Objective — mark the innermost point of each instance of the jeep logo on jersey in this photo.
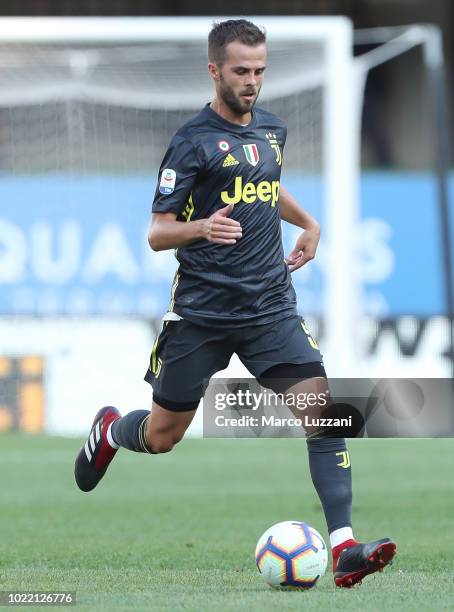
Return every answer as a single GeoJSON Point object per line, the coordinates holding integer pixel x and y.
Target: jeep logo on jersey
{"type": "Point", "coordinates": [252, 154]}
{"type": "Point", "coordinates": [168, 179]}
{"type": "Point", "coordinates": [264, 191]}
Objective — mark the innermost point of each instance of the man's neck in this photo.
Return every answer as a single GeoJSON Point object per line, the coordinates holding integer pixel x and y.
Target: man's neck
{"type": "Point", "coordinates": [226, 113]}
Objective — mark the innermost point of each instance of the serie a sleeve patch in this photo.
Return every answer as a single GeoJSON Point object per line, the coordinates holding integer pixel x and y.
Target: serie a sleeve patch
{"type": "Point", "coordinates": [168, 180]}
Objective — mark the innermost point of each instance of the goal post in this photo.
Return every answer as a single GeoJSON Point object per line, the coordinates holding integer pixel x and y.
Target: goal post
{"type": "Point", "coordinates": [394, 41]}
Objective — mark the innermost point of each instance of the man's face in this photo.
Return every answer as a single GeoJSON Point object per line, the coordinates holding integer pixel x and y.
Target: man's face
{"type": "Point", "coordinates": [239, 80]}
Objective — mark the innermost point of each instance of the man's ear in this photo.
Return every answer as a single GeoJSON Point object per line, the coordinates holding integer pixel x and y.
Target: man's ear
{"type": "Point", "coordinates": [214, 71]}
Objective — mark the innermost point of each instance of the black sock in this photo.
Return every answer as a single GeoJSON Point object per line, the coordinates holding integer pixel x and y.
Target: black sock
{"type": "Point", "coordinates": [129, 431]}
{"type": "Point", "coordinates": [329, 463]}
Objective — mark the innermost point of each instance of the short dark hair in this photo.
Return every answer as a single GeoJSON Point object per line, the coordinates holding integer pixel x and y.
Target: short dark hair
{"type": "Point", "coordinates": [226, 32]}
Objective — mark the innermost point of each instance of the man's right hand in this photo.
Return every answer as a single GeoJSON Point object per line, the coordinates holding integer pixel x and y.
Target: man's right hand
{"type": "Point", "coordinates": [219, 228]}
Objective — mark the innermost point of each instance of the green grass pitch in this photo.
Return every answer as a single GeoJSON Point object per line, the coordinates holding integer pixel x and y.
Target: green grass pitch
{"type": "Point", "coordinates": [178, 531]}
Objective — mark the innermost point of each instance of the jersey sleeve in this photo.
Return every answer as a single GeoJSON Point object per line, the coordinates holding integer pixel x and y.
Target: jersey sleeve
{"type": "Point", "coordinates": [177, 176]}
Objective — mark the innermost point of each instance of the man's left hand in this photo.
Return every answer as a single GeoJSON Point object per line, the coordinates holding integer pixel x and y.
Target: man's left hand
{"type": "Point", "coordinates": [305, 248]}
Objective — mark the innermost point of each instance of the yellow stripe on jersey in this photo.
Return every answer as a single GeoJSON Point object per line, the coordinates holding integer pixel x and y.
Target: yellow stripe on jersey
{"type": "Point", "coordinates": [187, 214]}
{"type": "Point", "coordinates": [172, 292]}
{"type": "Point", "coordinates": [189, 210]}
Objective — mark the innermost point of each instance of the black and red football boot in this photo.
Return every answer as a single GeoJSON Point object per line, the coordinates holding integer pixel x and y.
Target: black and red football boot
{"type": "Point", "coordinates": [96, 454]}
{"type": "Point", "coordinates": [359, 560]}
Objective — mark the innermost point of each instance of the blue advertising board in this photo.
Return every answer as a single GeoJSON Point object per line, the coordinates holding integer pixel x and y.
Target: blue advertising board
{"type": "Point", "coordinates": [77, 245]}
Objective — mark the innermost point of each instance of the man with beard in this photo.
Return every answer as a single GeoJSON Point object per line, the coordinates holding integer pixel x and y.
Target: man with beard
{"type": "Point", "coordinates": [219, 203]}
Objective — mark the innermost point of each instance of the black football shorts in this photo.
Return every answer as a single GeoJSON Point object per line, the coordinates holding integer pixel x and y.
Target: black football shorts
{"type": "Point", "coordinates": [185, 355]}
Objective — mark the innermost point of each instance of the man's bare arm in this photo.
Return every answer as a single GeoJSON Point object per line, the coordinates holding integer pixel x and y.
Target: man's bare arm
{"type": "Point", "coordinates": [167, 233]}
{"type": "Point", "coordinates": [293, 213]}
{"type": "Point", "coordinates": [306, 245]}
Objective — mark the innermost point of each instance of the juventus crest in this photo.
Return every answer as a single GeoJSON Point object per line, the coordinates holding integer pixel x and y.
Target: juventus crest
{"type": "Point", "coordinates": [275, 145]}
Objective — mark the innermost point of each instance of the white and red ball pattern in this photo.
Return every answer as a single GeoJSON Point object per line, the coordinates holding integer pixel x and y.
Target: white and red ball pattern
{"type": "Point", "coordinates": [291, 555]}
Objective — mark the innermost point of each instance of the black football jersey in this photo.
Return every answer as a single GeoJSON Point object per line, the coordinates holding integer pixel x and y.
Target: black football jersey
{"type": "Point", "coordinates": [210, 163]}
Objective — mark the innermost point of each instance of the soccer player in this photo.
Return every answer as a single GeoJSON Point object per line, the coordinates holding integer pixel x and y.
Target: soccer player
{"type": "Point", "coordinates": [220, 203]}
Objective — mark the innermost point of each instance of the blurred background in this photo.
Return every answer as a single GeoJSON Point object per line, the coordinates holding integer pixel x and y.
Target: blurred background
{"type": "Point", "coordinates": [84, 122]}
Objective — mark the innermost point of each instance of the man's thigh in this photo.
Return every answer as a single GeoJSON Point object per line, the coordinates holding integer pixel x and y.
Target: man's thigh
{"type": "Point", "coordinates": [184, 357]}
{"type": "Point", "coordinates": [282, 342]}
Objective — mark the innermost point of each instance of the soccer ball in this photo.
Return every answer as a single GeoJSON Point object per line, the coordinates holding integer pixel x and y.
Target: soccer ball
{"type": "Point", "coordinates": [291, 555]}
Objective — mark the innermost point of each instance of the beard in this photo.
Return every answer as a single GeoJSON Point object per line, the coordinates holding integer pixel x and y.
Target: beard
{"type": "Point", "coordinates": [234, 102]}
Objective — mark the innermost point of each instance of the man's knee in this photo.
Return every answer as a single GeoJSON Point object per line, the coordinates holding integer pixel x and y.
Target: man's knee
{"type": "Point", "coordinates": [166, 428]}
{"type": "Point", "coordinates": [163, 441]}
{"type": "Point", "coordinates": [160, 445]}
